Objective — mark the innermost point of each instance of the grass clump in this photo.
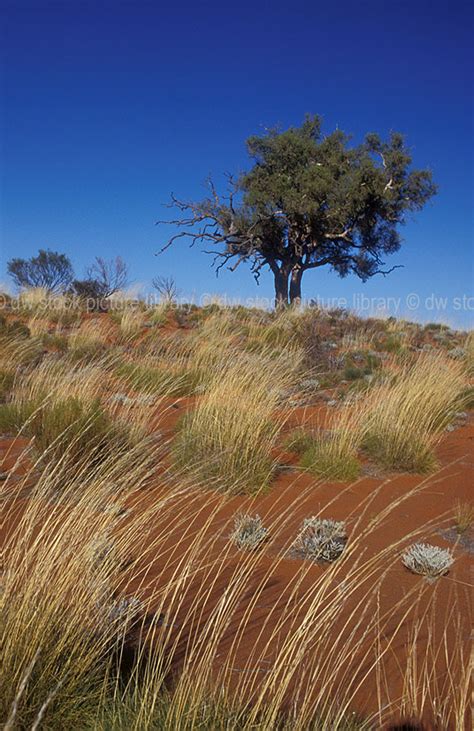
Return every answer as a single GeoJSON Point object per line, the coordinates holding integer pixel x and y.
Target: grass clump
{"type": "Point", "coordinates": [88, 341]}
{"type": "Point", "coordinates": [320, 539]}
{"type": "Point", "coordinates": [402, 419]}
{"type": "Point", "coordinates": [249, 531]}
{"type": "Point", "coordinates": [331, 458]}
{"type": "Point", "coordinates": [131, 323]}
{"type": "Point", "coordinates": [299, 441]}
{"type": "Point", "coordinates": [83, 429]}
{"type": "Point", "coordinates": [227, 441]}
{"type": "Point", "coordinates": [164, 379]}
{"type": "Point", "coordinates": [463, 517]}
{"type": "Point", "coordinates": [427, 560]}
{"type": "Point", "coordinates": [7, 378]}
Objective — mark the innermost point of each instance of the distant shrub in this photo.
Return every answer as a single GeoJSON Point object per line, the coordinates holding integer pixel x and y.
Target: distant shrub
{"type": "Point", "coordinates": [249, 531]}
{"type": "Point", "coordinates": [320, 539]}
{"type": "Point", "coordinates": [430, 561]}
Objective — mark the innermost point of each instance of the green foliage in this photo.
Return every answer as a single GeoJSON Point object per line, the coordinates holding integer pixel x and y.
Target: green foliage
{"type": "Point", "coordinates": [333, 464]}
{"type": "Point", "coordinates": [408, 455]}
{"type": "Point", "coordinates": [299, 441]}
{"type": "Point", "coordinates": [311, 200]}
{"type": "Point", "coordinates": [67, 427]}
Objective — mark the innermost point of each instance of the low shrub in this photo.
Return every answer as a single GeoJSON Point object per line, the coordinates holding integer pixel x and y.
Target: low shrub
{"type": "Point", "coordinates": [427, 560]}
{"type": "Point", "coordinates": [320, 539]}
{"type": "Point", "coordinates": [249, 531]}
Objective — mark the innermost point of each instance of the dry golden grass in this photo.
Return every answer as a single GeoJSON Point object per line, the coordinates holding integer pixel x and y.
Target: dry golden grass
{"type": "Point", "coordinates": [463, 516]}
{"type": "Point", "coordinates": [228, 439]}
{"type": "Point", "coordinates": [132, 321]}
{"type": "Point", "coordinates": [402, 420]}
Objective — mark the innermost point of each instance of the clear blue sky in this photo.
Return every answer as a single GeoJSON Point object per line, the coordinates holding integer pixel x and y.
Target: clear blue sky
{"type": "Point", "coordinates": [109, 106]}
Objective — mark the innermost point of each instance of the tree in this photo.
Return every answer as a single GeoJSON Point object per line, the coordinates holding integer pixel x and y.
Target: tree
{"type": "Point", "coordinates": [103, 279]}
{"type": "Point", "coordinates": [166, 288]}
{"type": "Point", "coordinates": [49, 269]}
{"type": "Point", "coordinates": [110, 276]}
{"type": "Point", "coordinates": [309, 201]}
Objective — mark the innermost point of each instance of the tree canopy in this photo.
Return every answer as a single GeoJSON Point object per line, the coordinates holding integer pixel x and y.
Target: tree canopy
{"type": "Point", "coordinates": [49, 269]}
{"type": "Point", "coordinates": [309, 201]}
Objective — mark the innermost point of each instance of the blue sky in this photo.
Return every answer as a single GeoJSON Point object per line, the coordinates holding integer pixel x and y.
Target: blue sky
{"type": "Point", "coordinates": [107, 107]}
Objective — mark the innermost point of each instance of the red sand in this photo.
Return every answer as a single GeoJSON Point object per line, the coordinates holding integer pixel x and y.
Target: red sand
{"type": "Point", "coordinates": [295, 496]}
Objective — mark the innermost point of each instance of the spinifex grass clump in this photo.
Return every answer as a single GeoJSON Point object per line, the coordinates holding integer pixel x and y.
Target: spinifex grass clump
{"type": "Point", "coordinates": [402, 419]}
{"type": "Point", "coordinates": [249, 531]}
{"type": "Point", "coordinates": [227, 441]}
{"type": "Point", "coordinates": [299, 440]}
{"type": "Point", "coordinates": [430, 561]}
{"type": "Point", "coordinates": [320, 539]}
{"type": "Point", "coordinates": [83, 429]}
{"type": "Point", "coordinates": [463, 516]}
{"type": "Point", "coordinates": [89, 340]}
{"type": "Point", "coordinates": [131, 322]}
{"type": "Point", "coordinates": [332, 458]}
{"type": "Point", "coordinates": [334, 455]}
{"type": "Point", "coordinates": [165, 379]}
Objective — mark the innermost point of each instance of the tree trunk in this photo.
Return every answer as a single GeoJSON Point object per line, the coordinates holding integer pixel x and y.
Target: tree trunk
{"type": "Point", "coordinates": [281, 288]}
{"type": "Point", "coordinates": [295, 285]}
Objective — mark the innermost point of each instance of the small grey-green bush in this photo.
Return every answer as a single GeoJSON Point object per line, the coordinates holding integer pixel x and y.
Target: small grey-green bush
{"type": "Point", "coordinates": [430, 561]}
{"type": "Point", "coordinates": [320, 539]}
{"type": "Point", "coordinates": [249, 531]}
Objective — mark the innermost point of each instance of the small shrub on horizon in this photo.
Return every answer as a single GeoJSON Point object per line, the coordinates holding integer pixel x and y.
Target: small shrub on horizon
{"type": "Point", "coordinates": [320, 539]}
{"type": "Point", "coordinates": [249, 531]}
{"type": "Point", "coordinates": [427, 560]}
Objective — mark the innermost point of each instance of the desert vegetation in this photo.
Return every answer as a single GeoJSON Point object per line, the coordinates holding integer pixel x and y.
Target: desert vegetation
{"type": "Point", "coordinates": [221, 518]}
